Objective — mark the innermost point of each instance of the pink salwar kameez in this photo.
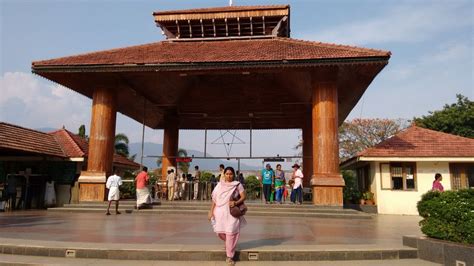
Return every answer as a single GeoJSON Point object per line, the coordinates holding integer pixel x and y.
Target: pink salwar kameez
{"type": "Point", "coordinates": [226, 226]}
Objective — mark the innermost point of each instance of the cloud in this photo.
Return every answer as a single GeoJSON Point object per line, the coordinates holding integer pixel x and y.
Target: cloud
{"type": "Point", "coordinates": [28, 101]}
{"type": "Point", "coordinates": [403, 24]}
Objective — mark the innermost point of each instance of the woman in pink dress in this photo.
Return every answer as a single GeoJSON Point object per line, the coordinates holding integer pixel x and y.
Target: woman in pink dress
{"type": "Point", "coordinates": [226, 226]}
{"type": "Point", "coordinates": [437, 186]}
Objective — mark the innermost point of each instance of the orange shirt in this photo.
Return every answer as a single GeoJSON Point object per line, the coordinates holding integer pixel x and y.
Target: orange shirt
{"type": "Point", "coordinates": [142, 179]}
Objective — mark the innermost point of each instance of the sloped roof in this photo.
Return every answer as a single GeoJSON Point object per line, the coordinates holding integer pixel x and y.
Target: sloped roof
{"type": "Point", "coordinates": [13, 137]}
{"type": "Point", "coordinates": [76, 146]}
{"type": "Point", "coordinates": [421, 142]}
{"type": "Point", "coordinates": [69, 143]}
{"type": "Point", "coordinates": [220, 9]}
{"type": "Point", "coordinates": [60, 143]}
{"type": "Point", "coordinates": [223, 51]}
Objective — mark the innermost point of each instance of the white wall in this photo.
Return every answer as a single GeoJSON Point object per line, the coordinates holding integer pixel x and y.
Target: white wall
{"type": "Point", "coordinates": [404, 202]}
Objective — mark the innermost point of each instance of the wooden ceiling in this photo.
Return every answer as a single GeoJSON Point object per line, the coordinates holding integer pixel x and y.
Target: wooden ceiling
{"type": "Point", "coordinates": [227, 99]}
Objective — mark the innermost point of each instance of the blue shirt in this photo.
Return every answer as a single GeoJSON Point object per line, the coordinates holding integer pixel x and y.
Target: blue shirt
{"type": "Point", "coordinates": [267, 176]}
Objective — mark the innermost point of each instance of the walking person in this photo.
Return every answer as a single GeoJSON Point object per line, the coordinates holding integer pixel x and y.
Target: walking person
{"type": "Point", "coordinates": [171, 182]}
{"type": "Point", "coordinates": [113, 185]}
{"type": "Point", "coordinates": [437, 186]}
{"type": "Point", "coordinates": [197, 177]}
{"type": "Point", "coordinates": [297, 192]}
{"type": "Point", "coordinates": [267, 182]}
{"type": "Point", "coordinates": [279, 184]}
{"type": "Point", "coordinates": [143, 194]}
{"type": "Point", "coordinates": [226, 226]}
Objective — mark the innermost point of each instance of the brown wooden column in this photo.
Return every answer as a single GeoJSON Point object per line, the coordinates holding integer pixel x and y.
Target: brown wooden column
{"type": "Point", "coordinates": [170, 147]}
{"type": "Point", "coordinates": [101, 146]}
{"type": "Point", "coordinates": [307, 152]}
{"type": "Point", "coordinates": [327, 182]}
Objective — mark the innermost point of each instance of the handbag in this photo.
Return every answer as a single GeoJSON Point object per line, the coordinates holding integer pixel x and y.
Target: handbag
{"type": "Point", "coordinates": [237, 210]}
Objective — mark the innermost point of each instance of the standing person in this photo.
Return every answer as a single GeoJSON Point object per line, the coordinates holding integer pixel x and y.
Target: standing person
{"type": "Point", "coordinates": [279, 183]}
{"type": "Point", "coordinates": [183, 186]}
{"type": "Point", "coordinates": [297, 191]}
{"type": "Point", "coordinates": [11, 191]}
{"type": "Point", "coordinates": [221, 173]}
{"type": "Point", "coordinates": [241, 179]}
{"type": "Point", "coordinates": [224, 224]}
{"type": "Point", "coordinates": [171, 180]}
{"type": "Point", "coordinates": [437, 186]}
{"type": "Point", "coordinates": [197, 177]}
{"type": "Point", "coordinates": [213, 182]}
{"type": "Point", "coordinates": [113, 184]}
{"type": "Point", "coordinates": [143, 194]}
{"type": "Point", "coordinates": [267, 181]}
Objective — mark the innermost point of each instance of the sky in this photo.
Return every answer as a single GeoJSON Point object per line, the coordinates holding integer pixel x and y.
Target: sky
{"type": "Point", "coordinates": [431, 44]}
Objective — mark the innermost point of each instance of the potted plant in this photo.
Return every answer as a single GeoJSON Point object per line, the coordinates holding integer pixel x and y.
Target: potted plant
{"type": "Point", "coordinates": [368, 197]}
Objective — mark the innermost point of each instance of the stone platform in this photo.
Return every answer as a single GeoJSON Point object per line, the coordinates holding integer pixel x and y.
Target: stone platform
{"type": "Point", "coordinates": [189, 237]}
{"type": "Point", "coordinates": [202, 207]}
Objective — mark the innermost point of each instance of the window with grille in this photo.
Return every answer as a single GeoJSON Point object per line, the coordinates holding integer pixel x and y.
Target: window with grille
{"type": "Point", "coordinates": [398, 176]}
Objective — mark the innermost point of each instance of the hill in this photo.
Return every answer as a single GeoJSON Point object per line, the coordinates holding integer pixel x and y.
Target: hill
{"type": "Point", "coordinates": [204, 164]}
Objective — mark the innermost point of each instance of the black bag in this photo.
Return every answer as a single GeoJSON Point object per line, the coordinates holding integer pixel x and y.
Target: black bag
{"type": "Point", "coordinates": [237, 210]}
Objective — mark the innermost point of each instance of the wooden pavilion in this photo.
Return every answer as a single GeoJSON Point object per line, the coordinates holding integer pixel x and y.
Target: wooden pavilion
{"type": "Point", "coordinates": [222, 68]}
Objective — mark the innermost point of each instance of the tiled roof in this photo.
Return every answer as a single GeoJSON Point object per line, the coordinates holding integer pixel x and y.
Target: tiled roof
{"type": "Point", "coordinates": [18, 138]}
{"type": "Point", "coordinates": [219, 9]}
{"type": "Point", "coordinates": [76, 146]}
{"type": "Point", "coordinates": [122, 160]}
{"type": "Point", "coordinates": [67, 141]}
{"type": "Point", "coordinates": [421, 142]}
{"type": "Point", "coordinates": [60, 143]}
{"type": "Point", "coordinates": [187, 52]}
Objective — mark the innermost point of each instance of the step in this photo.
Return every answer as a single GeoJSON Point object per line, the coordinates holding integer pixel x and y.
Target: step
{"type": "Point", "coordinates": [206, 207]}
{"type": "Point", "coordinates": [206, 253]}
{"type": "Point", "coordinates": [208, 203]}
{"type": "Point", "coordinates": [204, 212]}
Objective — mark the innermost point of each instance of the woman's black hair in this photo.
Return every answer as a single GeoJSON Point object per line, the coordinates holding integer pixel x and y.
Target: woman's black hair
{"type": "Point", "coordinates": [229, 168]}
{"type": "Point", "coordinates": [437, 176]}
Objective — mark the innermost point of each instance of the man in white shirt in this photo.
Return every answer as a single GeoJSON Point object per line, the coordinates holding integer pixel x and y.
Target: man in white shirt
{"type": "Point", "coordinates": [113, 183]}
{"type": "Point", "coordinates": [297, 191]}
{"type": "Point", "coordinates": [197, 177]}
{"type": "Point", "coordinates": [171, 178]}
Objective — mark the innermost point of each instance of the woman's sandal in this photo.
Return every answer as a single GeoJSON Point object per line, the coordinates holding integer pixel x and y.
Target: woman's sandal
{"type": "Point", "coordinates": [230, 261]}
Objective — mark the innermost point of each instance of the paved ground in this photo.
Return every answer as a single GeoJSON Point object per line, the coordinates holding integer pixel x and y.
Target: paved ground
{"type": "Point", "coordinates": [195, 230]}
{"type": "Point", "coordinates": [32, 260]}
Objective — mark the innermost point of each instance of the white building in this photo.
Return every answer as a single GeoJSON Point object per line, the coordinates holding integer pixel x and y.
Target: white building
{"type": "Point", "coordinates": [401, 169]}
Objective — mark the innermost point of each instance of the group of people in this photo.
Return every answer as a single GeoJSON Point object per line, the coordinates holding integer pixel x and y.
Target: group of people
{"type": "Point", "coordinates": [176, 186]}
{"type": "Point", "coordinates": [141, 183]}
{"type": "Point", "coordinates": [275, 182]}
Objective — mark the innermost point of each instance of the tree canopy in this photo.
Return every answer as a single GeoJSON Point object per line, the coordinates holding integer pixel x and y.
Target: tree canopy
{"type": "Point", "coordinates": [456, 118]}
{"type": "Point", "coordinates": [121, 144]}
{"type": "Point", "coordinates": [359, 134]}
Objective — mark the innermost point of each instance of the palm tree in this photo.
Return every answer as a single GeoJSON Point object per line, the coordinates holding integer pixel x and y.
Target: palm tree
{"type": "Point", "coordinates": [121, 144]}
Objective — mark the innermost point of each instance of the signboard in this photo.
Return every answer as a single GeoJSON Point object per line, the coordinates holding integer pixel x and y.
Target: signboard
{"type": "Point", "coordinates": [184, 159]}
{"type": "Point", "coordinates": [274, 159]}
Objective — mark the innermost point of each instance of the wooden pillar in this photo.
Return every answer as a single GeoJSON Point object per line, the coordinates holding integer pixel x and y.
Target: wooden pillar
{"type": "Point", "coordinates": [327, 182]}
{"type": "Point", "coordinates": [170, 147]}
{"type": "Point", "coordinates": [101, 146]}
{"type": "Point", "coordinates": [307, 151]}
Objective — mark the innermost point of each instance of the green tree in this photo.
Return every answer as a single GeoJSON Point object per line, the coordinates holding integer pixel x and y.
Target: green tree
{"type": "Point", "coordinates": [183, 166]}
{"type": "Point", "coordinates": [82, 131]}
{"type": "Point", "coordinates": [456, 118]}
{"type": "Point", "coordinates": [121, 144]}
